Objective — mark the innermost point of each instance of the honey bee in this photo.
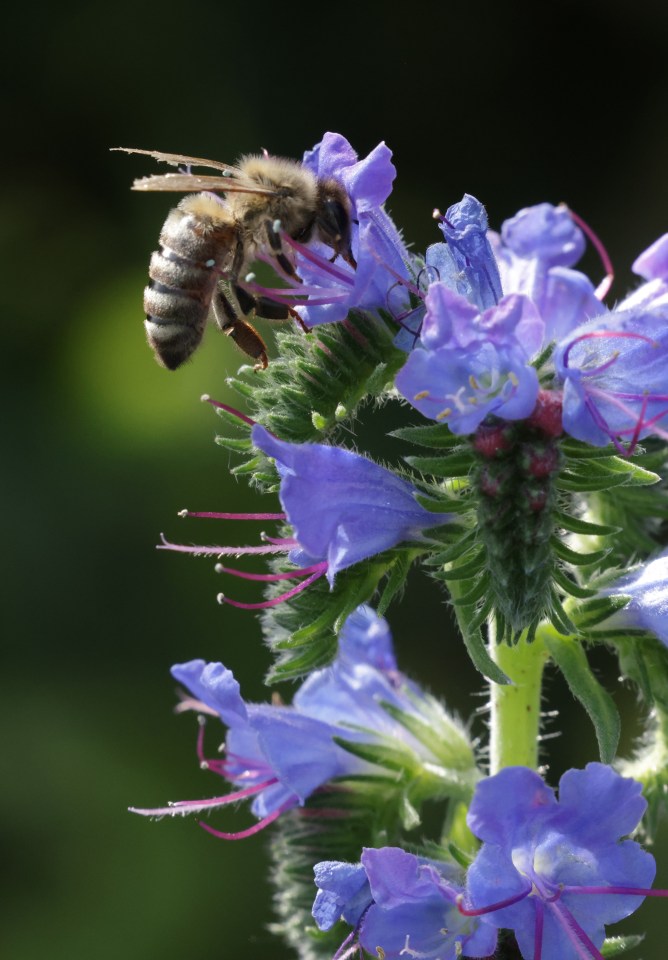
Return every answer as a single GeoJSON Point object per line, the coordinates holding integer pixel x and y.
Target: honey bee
{"type": "Point", "coordinates": [209, 241]}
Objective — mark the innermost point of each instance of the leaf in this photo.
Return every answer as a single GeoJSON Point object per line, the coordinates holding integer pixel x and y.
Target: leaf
{"type": "Point", "coordinates": [571, 659]}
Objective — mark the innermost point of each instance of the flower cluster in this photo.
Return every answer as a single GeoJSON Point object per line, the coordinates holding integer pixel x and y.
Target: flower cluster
{"type": "Point", "coordinates": [537, 495]}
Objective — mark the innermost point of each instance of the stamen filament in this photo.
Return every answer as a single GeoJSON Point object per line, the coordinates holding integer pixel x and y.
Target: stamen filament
{"type": "Point", "coordinates": [205, 398]}
{"type": "Point", "coordinates": [217, 551]}
{"type": "Point", "coordinates": [499, 905]}
{"type": "Point", "coordinates": [268, 577]}
{"type": "Point", "coordinates": [242, 834]}
{"type": "Point", "coordinates": [208, 515]}
{"type": "Point", "coordinates": [604, 286]}
{"type": "Point", "coordinates": [265, 604]}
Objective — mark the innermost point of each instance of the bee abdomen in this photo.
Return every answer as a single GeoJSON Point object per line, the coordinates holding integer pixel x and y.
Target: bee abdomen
{"type": "Point", "coordinates": [176, 304]}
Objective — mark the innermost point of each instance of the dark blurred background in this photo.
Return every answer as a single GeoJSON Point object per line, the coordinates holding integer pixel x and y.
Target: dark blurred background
{"type": "Point", "coordinates": [514, 102]}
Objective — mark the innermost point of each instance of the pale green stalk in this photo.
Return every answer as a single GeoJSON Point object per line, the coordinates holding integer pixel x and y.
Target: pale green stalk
{"type": "Point", "coordinates": [514, 721]}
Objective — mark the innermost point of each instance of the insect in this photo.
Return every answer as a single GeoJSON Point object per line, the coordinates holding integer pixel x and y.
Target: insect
{"type": "Point", "coordinates": [208, 242]}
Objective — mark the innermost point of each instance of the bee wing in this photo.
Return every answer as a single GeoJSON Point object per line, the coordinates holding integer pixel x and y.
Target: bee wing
{"type": "Point", "coordinates": [186, 182]}
{"type": "Point", "coordinates": [176, 159]}
{"type": "Point", "coordinates": [232, 181]}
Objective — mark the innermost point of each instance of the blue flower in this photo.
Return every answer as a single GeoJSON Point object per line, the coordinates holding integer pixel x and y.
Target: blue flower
{"type": "Point", "coordinates": [356, 690]}
{"type": "Point", "coordinates": [400, 904]}
{"type": "Point", "coordinates": [279, 755]}
{"type": "Point", "coordinates": [342, 507]}
{"type": "Point", "coordinates": [470, 365]}
{"type": "Point", "coordinates": [557, 871]}
{"type": "Point", "coordinates": [382, 259]}
{"type": "Point", "coordinates": [274, 754]}
{"type": "Point", "coordinates": [535, 253]}
{"type": "Point", "coordinates": [652, 265]}
{"type": "Point", "coordinates": [647, 588]}
{"type": "Point", "coordinates": [466, 260]}
{"type": "Point", "coordinates": [615, 375]}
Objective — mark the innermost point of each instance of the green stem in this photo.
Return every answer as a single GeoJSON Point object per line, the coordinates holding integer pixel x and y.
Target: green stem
{"type": "Point", "coordinates": [515, 708]}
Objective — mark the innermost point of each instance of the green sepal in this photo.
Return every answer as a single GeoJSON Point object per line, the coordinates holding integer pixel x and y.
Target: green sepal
{"type": "Point", "coordinates": [571, 659]}
{"type": "Point", "coordinates": [396, 757]}
{"type": "Point", "coordinates": [570, 587]}
{"type": "Point", "coordinates": [584, 527]}
{"type": "Point", "coordinates": [643, 659]}
{"type": "Point", "coordinates": [477, 651]}
{"type": "Point", "coordinates": [591, 612]}
{"type": "Point", "coordinates": [474, 593]}
{"type": "Point", "coordinates": [616, 946]}
{"type": "Point", "coordinates": [572, 482]}
{"type": "Point", "coordinates": [467, 570]}
{"type": "Point", "coordinates": [396, 580]}
{"type": "Point", "coordinates": [576, 558]}
{"type": "Point", "coordinates": [303, 631]}
{"type": "Point", "coordinates": [455, 465]}
{"type": "Point", "coordinates": [436, 731]}
{"type": "Point", "coordinates": [236, 444]}
{"type": "Point", "coordinates": [436, 436]}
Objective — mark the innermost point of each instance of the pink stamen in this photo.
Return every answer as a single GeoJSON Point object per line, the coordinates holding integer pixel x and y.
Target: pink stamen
{"type": "Point", "coordinates": [639, 426]}
{"type": "Point", "coordinates": [269, 577]}
{"type": "Point", "coordinates": [624, 891]}
{"type": "Point", "coordinates": [499, 905]}
{"type": "Point", "coordinates": [343, 952]}
{"type": "Point", "coordinates": [538, 931]}
{"type": "Point", "coordinates": [242, 834]}
{"type": "Point", "coordinates": [207, 515]}
{"type": "Point", "coordinates": [265, 604]}
{"type": "Point", "coordinates": [402, 281]}
{"type": "Point", "coordinates": [318, 261]}
{"type": "Point", "coordinates": [275, 293]}
{"type": "Point", "coordinates": [205, 398]}
{"type": "Point", "coordinates": [216, 551]}
{"type": "Point", "coordinates": [583, 945]}
{"type": "Point", "coordinates": [604, 286]}
{"type": "Point", "coordinates": [600, 334]}
{"type": "Point", "coordinates": [183, 807]}
{"type": "Point", "coordinates": [288, 542]}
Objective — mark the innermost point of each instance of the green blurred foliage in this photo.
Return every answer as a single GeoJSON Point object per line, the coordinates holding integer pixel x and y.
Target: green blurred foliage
{"type": "Point", "coordinates": [514, 102]}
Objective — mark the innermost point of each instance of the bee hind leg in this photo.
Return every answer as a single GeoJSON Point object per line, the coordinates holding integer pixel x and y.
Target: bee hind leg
{"type": "Point", "coordinates": [239, 330]}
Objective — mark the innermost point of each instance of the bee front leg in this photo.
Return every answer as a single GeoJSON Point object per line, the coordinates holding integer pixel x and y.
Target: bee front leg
{"type": "Point", "coordinates": [276, 247]}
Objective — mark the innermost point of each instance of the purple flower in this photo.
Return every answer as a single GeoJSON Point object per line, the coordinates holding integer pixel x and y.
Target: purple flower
{"type": "Point", "coordinates": [647, 588]}
{"type": "Point", "coordinates": [475, 274]}
{"type": "Point", "coordinates": [557, 871]}
{"type": "Point", "coordinates": [342, 507]}
{"type": "Point", "coordinates": [400, 904]}
{"type": "Point", "coordinates": [535, 253]}
{"type": "Point", "coordinates": [470, 365]}
{"type": "Point", "coordinates": [274, 754]}
{"type": "Point", "coordinates": [279, 755]}
{"type": "Point", "coordinates": [615, 375]}
{"type": "Point", "coordinates": [364, 681]}
{"type": "Point", "coordinates": [382, 259]}
{"type": "Point", "coordinates": [652, 265]}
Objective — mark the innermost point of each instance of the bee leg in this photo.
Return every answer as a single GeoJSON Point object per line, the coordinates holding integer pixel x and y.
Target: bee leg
{"type": "Point", "coordinates": [244, 335]}
{"type": "Point", "coordinates": [277, 253]}
{"type": "Point", "coordinates": [333, 225]}
{"type": "Point", "coordinates": [263, 307]}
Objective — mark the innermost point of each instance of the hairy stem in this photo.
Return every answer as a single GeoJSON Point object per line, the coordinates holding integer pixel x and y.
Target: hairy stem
{"type": "Point", "coordinates": [515, 708]}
